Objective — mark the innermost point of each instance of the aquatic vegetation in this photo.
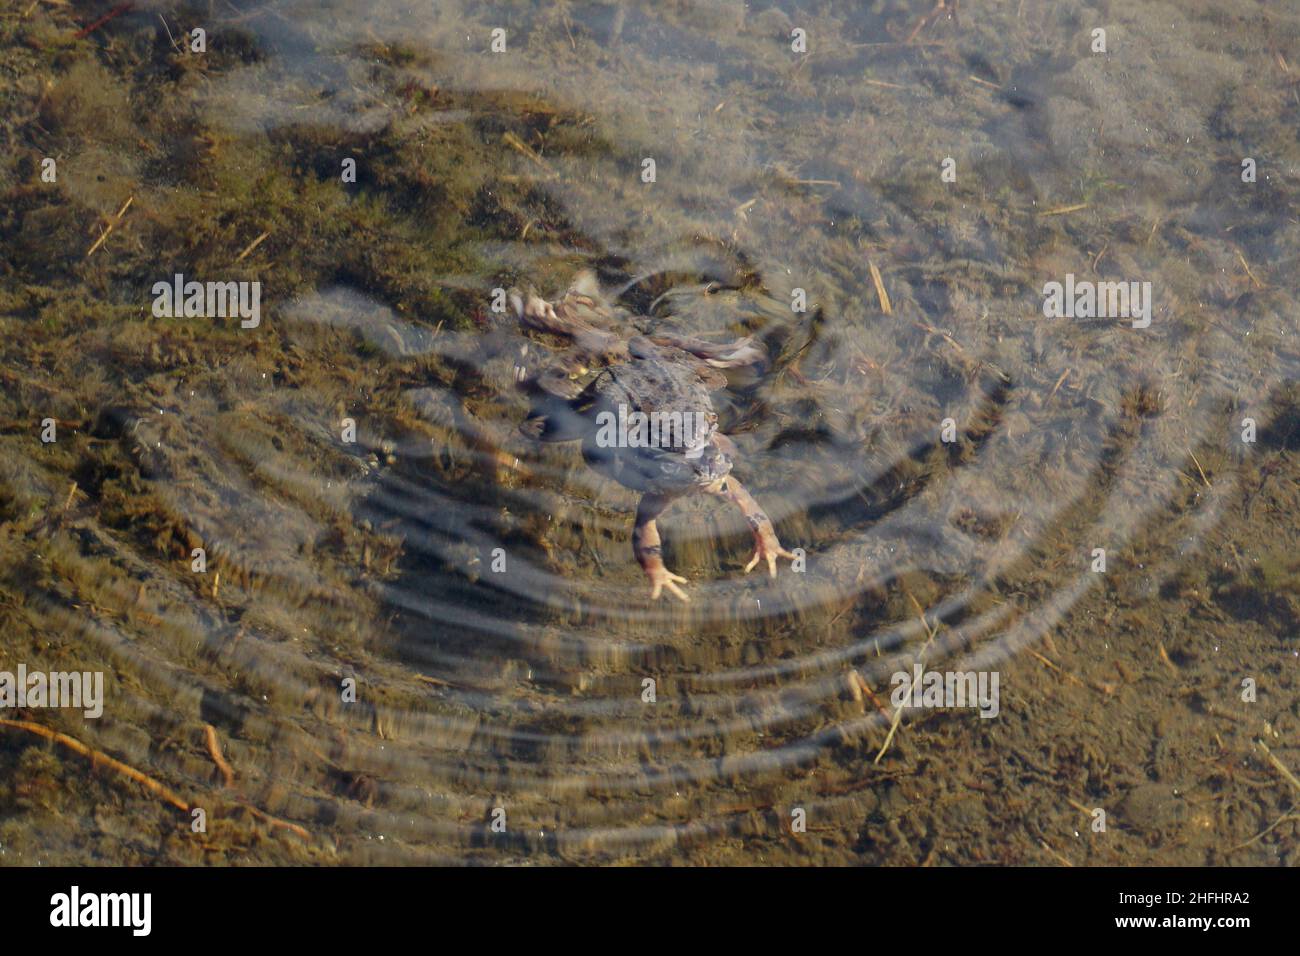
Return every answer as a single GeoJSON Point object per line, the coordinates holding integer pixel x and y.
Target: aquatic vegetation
{"type": "Point", "coordinates": [336, 593]}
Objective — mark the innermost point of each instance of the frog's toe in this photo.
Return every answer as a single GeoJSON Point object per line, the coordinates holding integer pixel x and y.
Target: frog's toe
{"type": "Point", "coordinates": [768, 551]}
{"type": "Point", "coordinates": [661, 579]}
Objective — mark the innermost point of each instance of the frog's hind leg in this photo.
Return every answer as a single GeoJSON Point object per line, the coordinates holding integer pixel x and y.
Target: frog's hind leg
{"type": "Point", "coordinates": [735, 354]}
{"type": "Point", "coordinates": [651, 347]}
{"type": "Point", "coordinates": [576, 317]}
{"type": "Point", "coordinates": [649, 552]}
{"type": "Point", "coordinates": [767, 547]}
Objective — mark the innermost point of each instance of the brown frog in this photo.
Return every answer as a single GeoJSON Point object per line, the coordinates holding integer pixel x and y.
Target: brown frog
{"type": "Point", "coordinates": [644, 417]}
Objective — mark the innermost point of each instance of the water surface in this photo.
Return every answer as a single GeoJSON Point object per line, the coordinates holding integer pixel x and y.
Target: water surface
{"type": "Point", "coordinates": [476, 592]}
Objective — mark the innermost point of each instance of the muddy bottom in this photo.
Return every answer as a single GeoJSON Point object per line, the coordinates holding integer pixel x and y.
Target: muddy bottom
{"type": "Point", "coordinates": [1044, 605]}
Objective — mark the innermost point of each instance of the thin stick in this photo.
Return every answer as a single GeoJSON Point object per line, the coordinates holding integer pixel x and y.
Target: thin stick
{"type": "Point", "coordinates": [515, 143]}
{"type": "Point", "coordinates": [1226, 715]}
{"type": "Point", "coordinates": [109, 228]}
{"type": "Point", "coordinates": [1064, 673]}
{"type": "Point", "coordinates": [858, 683]}
{"type": "Point", "coordinates": [1258, 284]}
{"type": "Point", "coordinates": [1079, 806]}
{"type": "Point", "coordinates": [881, 294]}
{"type": "Point", "coordinates": [1199, 468]}
{"type": "Point", "coordinates": [276, 821]}
{"type": "Point", "coordinates": [214, 751]}
{"type": "Point", "coordinates": [97, 757]}
{"type": "Point", "coordinates": [1057, 856]}
{"type": "Point", "coordinates": [898, 711]}
{"type": "Point", "coordinates": [1267, 830]}
{"type": "Point", "coordinates": [170, 39]}
{"type": "Point", "coordinates": [931, 330]}
{"type": "Point", "coordinates": [1062, 210]}
{"type": "Point", "coordinates": [1279, 765]}
{"type": "Point", "coordinates": [1097, 258]}
{"type": "Point", "coordinates": [116, 11]}
{"type": "Point", "coordinates": [251, 246]}
{"type": "Point", "coordinates": [893, 728]}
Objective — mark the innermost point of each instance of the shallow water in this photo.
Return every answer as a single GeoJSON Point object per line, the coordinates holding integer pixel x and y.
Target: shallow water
{"type": "Point", "coordinates": [432, 643]}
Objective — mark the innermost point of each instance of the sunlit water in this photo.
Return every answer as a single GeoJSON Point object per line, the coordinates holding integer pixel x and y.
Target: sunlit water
{"type": "Point", "coordinates": [480, 588]}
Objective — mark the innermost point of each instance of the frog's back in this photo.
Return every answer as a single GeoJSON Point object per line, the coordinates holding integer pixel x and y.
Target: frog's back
{"type": "Point", "coordinates": [664, 383]}
{"type": "Point", "coordinates": [674, 452]}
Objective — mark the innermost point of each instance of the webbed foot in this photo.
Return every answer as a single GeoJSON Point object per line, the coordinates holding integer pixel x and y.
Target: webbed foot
{"type": "Point", "coordinates": [661, 578]}
{"type": "Point", "coordinates": [767, 548]}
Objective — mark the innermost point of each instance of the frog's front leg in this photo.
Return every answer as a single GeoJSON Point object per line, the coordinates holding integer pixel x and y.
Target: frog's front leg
{"type": "Point", "coordinates": [766, 544]}
{"type": "Point", "coordinates": [649, 553]}
{"type": "Point", "coordinates": [569, 318]}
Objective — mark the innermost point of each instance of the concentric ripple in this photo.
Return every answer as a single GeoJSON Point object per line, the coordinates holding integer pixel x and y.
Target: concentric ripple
{"type": "Point", "coordinates": [416, 623]}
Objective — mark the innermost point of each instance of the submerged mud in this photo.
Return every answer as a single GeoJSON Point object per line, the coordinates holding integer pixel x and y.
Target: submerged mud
{"type": "Point", "coordinates": [414, 635]}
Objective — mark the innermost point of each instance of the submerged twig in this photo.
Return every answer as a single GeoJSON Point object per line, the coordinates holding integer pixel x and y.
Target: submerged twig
{"type": "Point", "coordinates": [97, 757]}
{"type": "Point", "coordinates": [1267, 830]}
{"type": "Point", "coordinates": [898, 711]}
{"type": "Point", "coordinates": [1278, 765]}
{"type": "Point", "coordinates": [1062, 210]}
{"type": "Point", "coordinates": [251, 246]}
{"type": "Point", "coordinates": [517, 144]}
{"type": "Point", "coordinates": [276, 821]}
{"type": "Point", "coordinates": [116, 11]}
{"type": "Point", "coordinates": [214, 751]}
{"type": "Point", "coordinates": [881, 294]}
{"type": "Point", "coordinates": [109, 228]}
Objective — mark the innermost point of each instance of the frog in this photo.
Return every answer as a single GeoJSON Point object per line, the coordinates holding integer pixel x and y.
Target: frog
{"type": "Point", "coordinates": [641, 406]}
